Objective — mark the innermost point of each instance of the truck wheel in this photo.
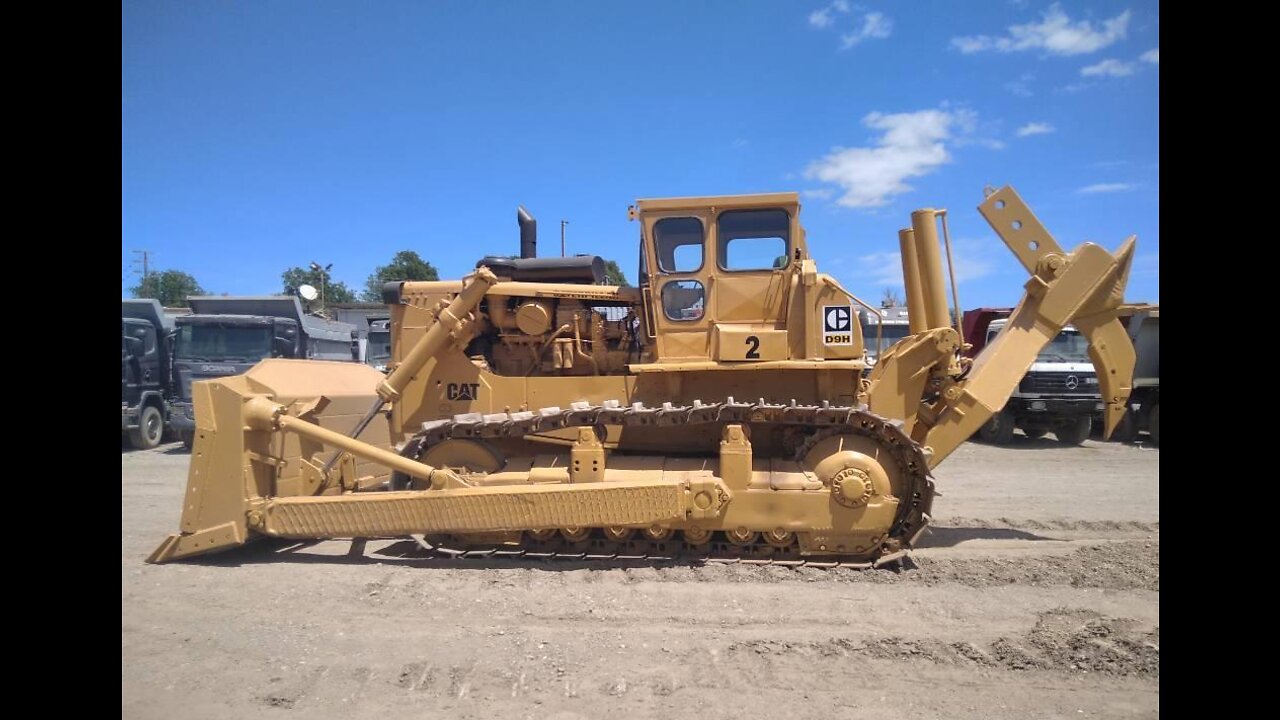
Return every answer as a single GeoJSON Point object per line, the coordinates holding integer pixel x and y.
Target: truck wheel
{"type": "Point", "coordinates": [188, 438]}
{"type": "Point", "coordinates": [150, 429]}
{"type": "Point", "coordinates": [1125, 431]}
{"type": "Point", "coordinates": [999, 429]}
{"type": "Point", "coordinates": [1153, 424]}
{"type": "Point", "coordinates": [1034, 433]}
{"type": "Point", "coordinates": [1074, 432]}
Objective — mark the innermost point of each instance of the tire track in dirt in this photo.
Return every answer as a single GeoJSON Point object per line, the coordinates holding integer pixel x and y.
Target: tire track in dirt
{"type": "Point", "coordinates": [1063, 640]}
{"type": "Point", "coordinates": [1130, 565]}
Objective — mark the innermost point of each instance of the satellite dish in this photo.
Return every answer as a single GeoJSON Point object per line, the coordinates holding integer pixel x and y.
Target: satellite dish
{"type": "Point", "coordinates": [307, 292]}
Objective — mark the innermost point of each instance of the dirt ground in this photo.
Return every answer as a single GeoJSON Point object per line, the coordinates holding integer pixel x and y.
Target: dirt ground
{"type": "Point", "coordinates": [1037, 594]}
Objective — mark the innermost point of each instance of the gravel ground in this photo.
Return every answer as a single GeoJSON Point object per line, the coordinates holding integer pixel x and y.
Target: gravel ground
{"type": "Point", "coordinates": [1037, 594]}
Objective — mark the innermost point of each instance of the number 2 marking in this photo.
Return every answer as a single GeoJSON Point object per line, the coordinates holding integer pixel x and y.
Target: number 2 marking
{"type": "Point", "coordinates": [753, 353]}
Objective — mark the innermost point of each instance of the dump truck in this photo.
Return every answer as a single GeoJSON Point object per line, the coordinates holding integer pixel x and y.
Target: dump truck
{"type": "Point", "coordinates": [1142, 322]}
{"type": "Point", "coordinates": [226, 335]}
{"type": "Point", "coordinates": [146, 338]}
{"type": "Point", "coordinates": [1059, 393]}
{"type": "Point", "coordinates": [378, 345]}
{"type": "Point", "coordinates": [723, 417]}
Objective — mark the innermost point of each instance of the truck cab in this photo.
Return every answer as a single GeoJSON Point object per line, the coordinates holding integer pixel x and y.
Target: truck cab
{"type": "Point", "coordinates": [145, 372]}
{"type": "Point", "coordinates": [228, 335]}
{"type": "Point", "coordinates": [1058, 394]}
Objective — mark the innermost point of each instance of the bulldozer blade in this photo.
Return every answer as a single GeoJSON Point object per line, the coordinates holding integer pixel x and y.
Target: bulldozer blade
{"type": "Point", "coordinates": [233, 468]}
{"type": "Point", "coordinates": [254, 471]}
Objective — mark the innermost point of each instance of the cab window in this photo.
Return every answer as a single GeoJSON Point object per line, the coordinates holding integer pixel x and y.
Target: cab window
{"type": "Point", "coordinates": [683, 300]}
{"type": "Point", "coordinates": [679, 242]}
{"type": "Point", "coordinates": [753, 239]}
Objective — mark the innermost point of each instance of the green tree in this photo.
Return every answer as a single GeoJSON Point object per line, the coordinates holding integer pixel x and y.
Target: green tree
{"type": "Point", "coordinates": [170, 287]}
{"type": "Point", "coordinates": [613, 274]}
{"type": "Point", "coordinates": [406, 265]}
{"type": "Point", "coordinates": [336, 292]}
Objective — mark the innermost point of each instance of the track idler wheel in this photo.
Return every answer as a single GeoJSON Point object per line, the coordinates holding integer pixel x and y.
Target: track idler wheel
{"type": "Point", "coordinates": [697, 537]}
{"type": "Point", "coordinates": [658, 534]}
{"type": "Point", "coordinates": [619, 534]}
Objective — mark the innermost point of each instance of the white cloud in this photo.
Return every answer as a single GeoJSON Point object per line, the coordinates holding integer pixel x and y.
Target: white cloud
{"type": "Point", "coordinates": [1151, 56]}
{"type": "Point", "coordinates": [910, 145]}
{"type": "Point", "coordinates": [818, 194]}
{"type": "Point", "coordinates": [824, 16]}
{"type": "Point", "coordinates": [1108, 68]}
{"type": "Point", "coordinates": [1055, 34]}
{"type": "Point", "coordinates": [874, 25]}
{"type": "Point", "coordinates": [1022, 86]}
{"type": "Point", "coordinates": [884, 269]}
{"type": "Point", "coordinates": [1105, 188]}
{"type": "Point", "coordinates": [1035, 128]}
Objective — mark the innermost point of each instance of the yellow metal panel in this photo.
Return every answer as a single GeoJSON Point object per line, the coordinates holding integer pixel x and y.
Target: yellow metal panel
{"type": "Point", "coordinates": [749, 344]}
{"type": "Point", "coordinates": [749, 296]}
{"type": "Point", "coordinates": [720, 202]}
{"type": "Point", "coordinates": [480, 509]}
{"type": "Point", "coordinates": [686, 344]}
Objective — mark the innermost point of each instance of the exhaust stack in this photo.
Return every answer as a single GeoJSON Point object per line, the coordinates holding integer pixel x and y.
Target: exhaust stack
{"type": "Point", "coordinates": [528, 233]}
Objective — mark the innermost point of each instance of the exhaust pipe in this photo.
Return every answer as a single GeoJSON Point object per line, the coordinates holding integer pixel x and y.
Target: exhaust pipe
{"type": "Point", "coordinates": [528, 233]}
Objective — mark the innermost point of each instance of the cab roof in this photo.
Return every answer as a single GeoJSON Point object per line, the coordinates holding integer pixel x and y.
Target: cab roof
{"type": "Point", "coordinates": [789, 199]}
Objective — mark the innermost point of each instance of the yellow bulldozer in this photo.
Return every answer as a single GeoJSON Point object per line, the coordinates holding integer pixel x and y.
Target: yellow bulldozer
{"type": "Point", "coordinates": [718, 410]}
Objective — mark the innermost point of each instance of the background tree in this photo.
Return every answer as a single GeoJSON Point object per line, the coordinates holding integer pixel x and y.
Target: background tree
{"type": "Point", "coordinates": [891, 298]}
{"type": "Point", "coordinates": [336, 292]}
{"type": "Point", "coordinates": [406, 265]}
{"type": "Point", "coordinates": [170, 287]}
{"type": "Point", "coordinates": [613, 274]}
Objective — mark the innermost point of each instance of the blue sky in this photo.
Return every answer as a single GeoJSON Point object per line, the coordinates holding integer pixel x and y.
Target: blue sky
{"type": "Point", "coordinates": [260, 135]}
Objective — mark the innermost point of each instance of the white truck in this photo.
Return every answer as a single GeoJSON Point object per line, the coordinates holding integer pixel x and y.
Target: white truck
{"type": "Point", "coordinates": [1059, 394]}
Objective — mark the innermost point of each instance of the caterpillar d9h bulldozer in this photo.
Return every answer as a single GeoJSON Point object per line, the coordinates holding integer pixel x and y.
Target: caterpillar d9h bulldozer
{"type": "Point", "coordinates": [718, 410]}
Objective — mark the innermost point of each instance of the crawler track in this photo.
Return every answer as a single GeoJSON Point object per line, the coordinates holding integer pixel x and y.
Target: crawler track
{"type": "Point", "coordinates": [807, 424]}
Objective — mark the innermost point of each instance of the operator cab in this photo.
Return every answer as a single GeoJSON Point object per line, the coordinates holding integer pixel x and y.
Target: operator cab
{"type": "Point", "coordinates": [718, 277]}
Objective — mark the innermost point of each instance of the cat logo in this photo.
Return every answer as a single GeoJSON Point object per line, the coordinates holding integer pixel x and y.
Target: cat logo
{"type": "Point", "coordinates": [837, 325]}
{"type": "Point", "coordinates": [463, 391]}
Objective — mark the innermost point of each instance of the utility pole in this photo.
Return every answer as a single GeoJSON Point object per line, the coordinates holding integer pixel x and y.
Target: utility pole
{"type": "Point", "coordinates": [323, 271]}
{"type": "Point", "coordinates": [562, 224]}
{"type": "Point", "coordinates": [146, 268]}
